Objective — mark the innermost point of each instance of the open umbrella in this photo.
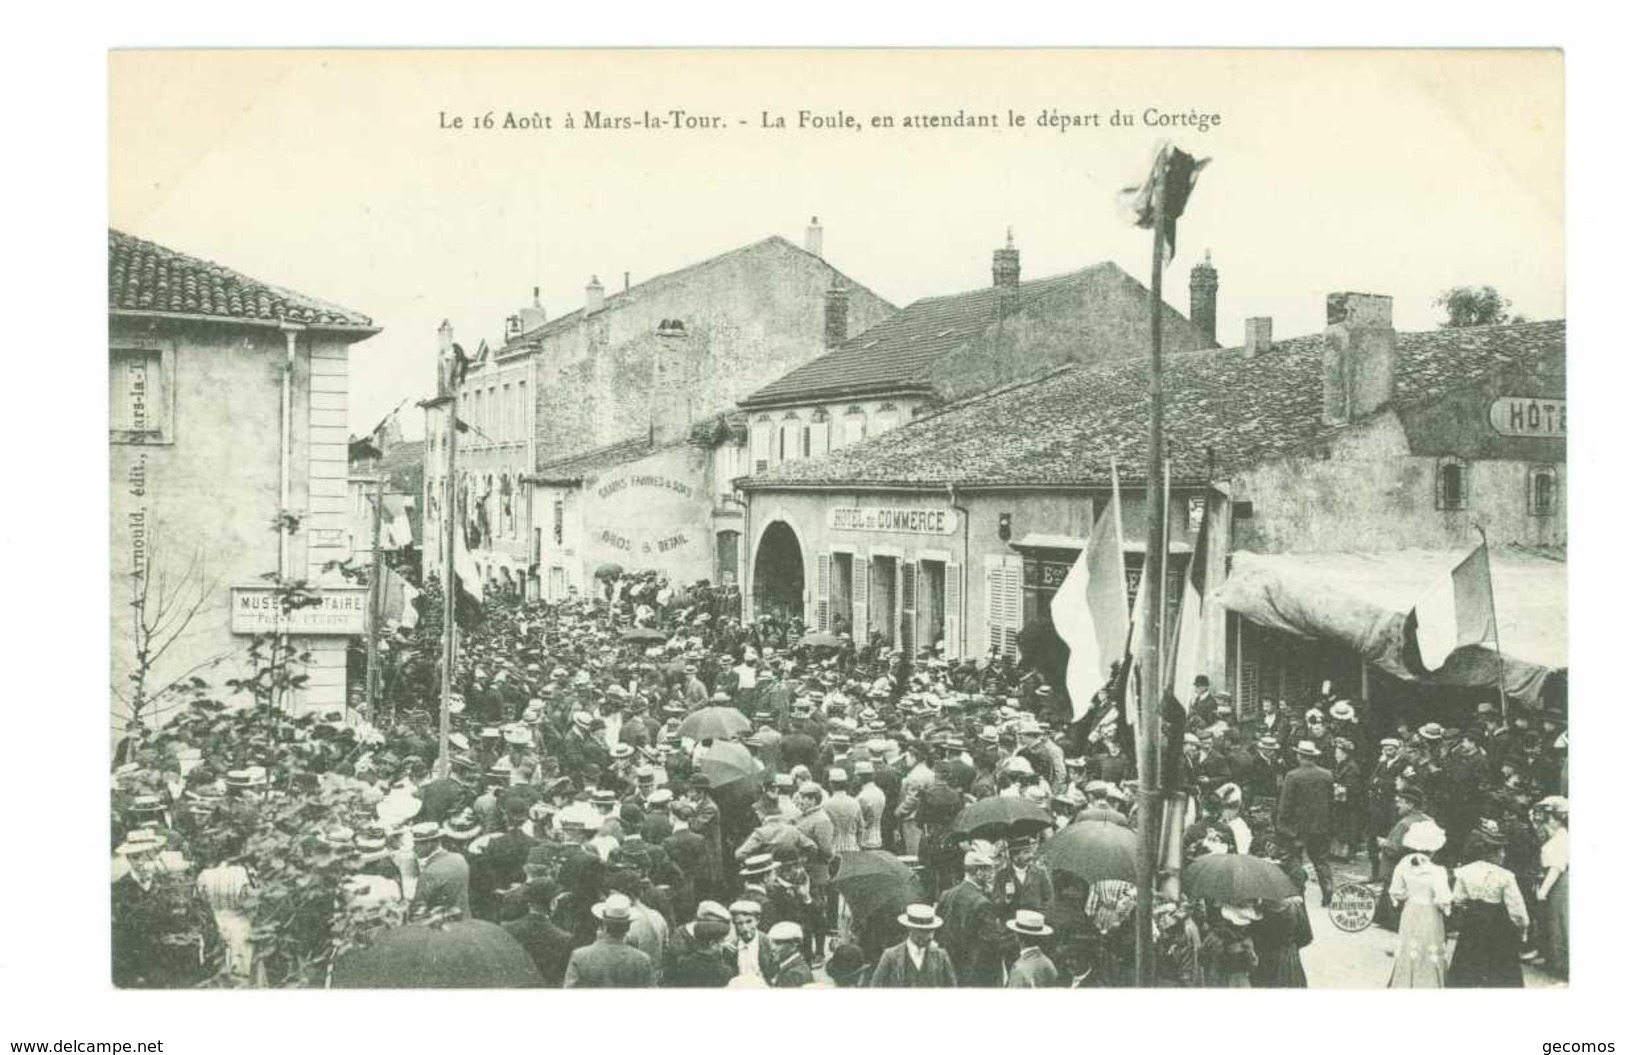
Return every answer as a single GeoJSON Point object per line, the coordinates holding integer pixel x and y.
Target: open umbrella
{"type": "Point", "coordinates": [642, 633]}
{"type": "Point", "coordinates": [819, 639]}
{"type": "Point", "coordinates": [1092, 851]}
{"type": "Point", "coordinates": [1001, 811]}
{"type": "Point", "coordinates": [468, 954]}
{"type": "Point", "coordinates": [714, 723]}
{"type": "Point", "coordinates": [1235, 878]}
{"type": "Point", "coordinates": [728, 762]}
{"type": "Point", "coordinates": [874, 881]}
{"type": "Point", "coordinates": [608, 571]}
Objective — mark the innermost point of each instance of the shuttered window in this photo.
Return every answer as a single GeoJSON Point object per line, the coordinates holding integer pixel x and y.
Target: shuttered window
{"type": "Point", "coordinates": [820, 618]}
{"type": "Point", "coordinates": [1002, 578]}
{"type": "Point", "coordinates": [908, 616]}
{"type": "Point", "coordinates": [951, 593]}
{"type": "Point", "coordinates": [860, 601]}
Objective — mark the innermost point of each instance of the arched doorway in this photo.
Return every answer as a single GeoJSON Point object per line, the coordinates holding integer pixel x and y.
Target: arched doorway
{"type": "Point", "coordinates": [779, 576]}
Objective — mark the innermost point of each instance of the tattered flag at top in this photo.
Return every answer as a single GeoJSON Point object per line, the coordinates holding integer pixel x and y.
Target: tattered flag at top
{"type": "Point", "coordinates": [1172, 178]}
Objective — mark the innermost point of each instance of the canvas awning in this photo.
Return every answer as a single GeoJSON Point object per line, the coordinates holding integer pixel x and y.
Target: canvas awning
{"type": "Point", "coordinates": [1361, 600]}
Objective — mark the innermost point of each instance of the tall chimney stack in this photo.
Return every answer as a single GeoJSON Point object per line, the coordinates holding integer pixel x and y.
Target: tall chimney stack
{"type": "Point", "coordinates": [595, 296]}
{"type": "Point", "coordinates": [533, 316]}
{"type": "Point", "coordinates": [1357, 363]}
{"type": "Point", "coordinates": [815, 239]}
{"type": "Point", "coordinates": [1259, 336]}
{"type": "Point", "coordinates": [446, 356]}
{"type": "Point", "coordinates": [835, 312]}
{"type": "Point", "coordinates": [1205, 298]}
{"type": "Point", "coordinates": [1007, 264]}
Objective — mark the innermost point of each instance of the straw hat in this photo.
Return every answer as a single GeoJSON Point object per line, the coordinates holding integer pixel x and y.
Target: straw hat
{"type": "Point", "coordinates": [1030, 923]}
{"type": "Point", "coordinates": [920, 917]}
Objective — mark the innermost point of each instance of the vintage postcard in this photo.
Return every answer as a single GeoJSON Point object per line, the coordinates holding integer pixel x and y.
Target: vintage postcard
{"type": "Point", "coordinates": [838, 518]}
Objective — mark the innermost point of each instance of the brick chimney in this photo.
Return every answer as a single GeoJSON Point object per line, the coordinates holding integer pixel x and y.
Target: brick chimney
{"type": "Point", "coordinates": [534, 316]}
{"type": "Point", "coordinates": [445, 360]}
{"type": "Point", "coordinates": [595, 296]}
{"type": "Point", "coordinates": [1007, 264]}
{"type": "Point", "coordinates": [814, 242]}
{"type": "Point", "coordinates": [1205, 297]}
{"type": "Point", "coordinates": [1357, 364]}
{"type": "Point", "coordinates": [835, 312]}
{"type": "Point", "coordinates": [670, 401]}
{"type": "Point", "coordinates": [1259, 336]}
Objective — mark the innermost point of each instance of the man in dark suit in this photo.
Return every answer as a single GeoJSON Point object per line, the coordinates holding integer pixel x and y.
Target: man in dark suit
{"type": "Point", "coordinates": [916, 962]}
{"type": "Point", "coordinates": [971, 931]}
{"type": "Point", "coordinates": [609, 962]}
{"type": "Point", "coordinates": [549, 945]}
{"type": "Point", "coordinates": [1380, 787]}
{"type": "Point", "coordinates": [1304, 814]}
{"type": "Point", "coordinates": [447, 796]}
{"type": "Point", "coordinates": [1025, 882]}
{"type": "Point", "coordinates": [442, 875]}
{"type": "Point", "coordinates": [790, 970]}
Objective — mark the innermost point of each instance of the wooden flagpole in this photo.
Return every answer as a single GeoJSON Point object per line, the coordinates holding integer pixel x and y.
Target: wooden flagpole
{"type": "Point", "coordinates": [1495, 624]}
{"type": "Point", "coordinates": [1145, 966]}
{"type": "Point", "coordinates": [448, 657]}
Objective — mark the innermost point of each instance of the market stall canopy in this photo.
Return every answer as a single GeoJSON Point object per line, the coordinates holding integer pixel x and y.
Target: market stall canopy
{"type": "Point", "coordinates": [1362, 599]}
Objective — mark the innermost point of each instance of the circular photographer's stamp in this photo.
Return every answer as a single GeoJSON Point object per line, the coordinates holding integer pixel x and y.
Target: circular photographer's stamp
{"type": "Point", "coordinates": [1353, 907]}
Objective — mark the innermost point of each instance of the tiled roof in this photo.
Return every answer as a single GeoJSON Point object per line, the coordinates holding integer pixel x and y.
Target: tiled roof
{"type": "Point", "coordinates": [898, 352]}
{"type": "Point", "coordinates": [144, 276]}
{"type": "Point", "coordinates": [1065, 427]}
{"type": "Point", "coordinates": [658, 282]}
{"type": "Point", "coordinates": [599, 459]}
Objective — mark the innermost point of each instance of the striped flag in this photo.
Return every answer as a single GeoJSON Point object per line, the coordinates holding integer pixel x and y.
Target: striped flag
{"type": "Point", "coordinates": [1456, 612]}
{"type": "Point", "coordinates": [1090, 610]}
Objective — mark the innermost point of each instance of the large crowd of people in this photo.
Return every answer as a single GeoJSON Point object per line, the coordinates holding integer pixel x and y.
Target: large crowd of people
{"type": "Point", "coordinates": [644, 790]}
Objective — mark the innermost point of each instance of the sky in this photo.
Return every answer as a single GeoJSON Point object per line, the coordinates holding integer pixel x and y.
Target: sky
{"type": "Point", "coordinates": [336, 174]}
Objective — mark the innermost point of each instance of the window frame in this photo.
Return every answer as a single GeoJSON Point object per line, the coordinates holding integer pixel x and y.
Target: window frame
{"type": "Point", "coordinates": [1441, 499]}
{"type": "Point", "coordinates": [1537, 473]}
{"type": "Point", "coordinates": [164, 433]}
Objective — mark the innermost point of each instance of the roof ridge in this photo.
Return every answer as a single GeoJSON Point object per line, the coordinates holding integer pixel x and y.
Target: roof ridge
{"type": "Point", "coordinates": [570, 317]}
{"type": "Point", "coordinates": [192, 262]}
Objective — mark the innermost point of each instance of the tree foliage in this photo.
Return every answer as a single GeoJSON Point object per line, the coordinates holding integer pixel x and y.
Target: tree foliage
{"type": "Point", "coordinates": [1474, 306]}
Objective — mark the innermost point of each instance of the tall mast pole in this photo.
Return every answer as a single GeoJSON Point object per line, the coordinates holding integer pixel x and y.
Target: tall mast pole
{"type": "Point", "coordinates": [1151, 580]}
{"type": "Point", "coordinates": [448, 656]}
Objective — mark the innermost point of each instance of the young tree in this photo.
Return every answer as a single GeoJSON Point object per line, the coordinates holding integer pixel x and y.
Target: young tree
{"type": "Point", "coordinates": [1474, 306]}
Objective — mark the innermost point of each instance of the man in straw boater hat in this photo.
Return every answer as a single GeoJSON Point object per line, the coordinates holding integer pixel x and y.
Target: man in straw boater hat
{"type": "Point", "coordinates": [1032, 969]}
{"type": "Point", "coordinates": [442, 880]}
{"type": "Point", "coordinates": [610, 962]}
{"type": "Point", "coordinates": [916, 962]}
{"type": "Point", "coordinates": [972, 934]}
{"type": "Point", "coordinates": [1304, 814]}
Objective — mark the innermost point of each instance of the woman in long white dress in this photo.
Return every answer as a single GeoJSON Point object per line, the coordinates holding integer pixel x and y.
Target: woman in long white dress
{"type": "Point", "coordinates": [1422, 888]}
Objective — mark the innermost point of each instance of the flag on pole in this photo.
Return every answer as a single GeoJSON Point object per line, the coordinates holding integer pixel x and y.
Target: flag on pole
{"type": "Point", "coordinates": [469, 589]}
{"type": "Point", "coordinates": [1458, 611]}
{"type": "Point", "coordinates": [1173, 173]}
{"type": "Point", "coordinates": [1189, 645]}
{"type": "Point", "coordinates": [397, 600]}
{"type": "Point", "coordinates": [1090, 610]}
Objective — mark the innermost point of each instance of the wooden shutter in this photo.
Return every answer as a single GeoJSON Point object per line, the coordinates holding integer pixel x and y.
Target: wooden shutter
{"type": "Point", "coordinates": [821, 597]}
{"type": "Point", "coordinates": [1013, 599]}
{"type": "Point", "coordinates": [951, 588]}
{"type": "Point", "coordinates": [993, 574]}
{"type": "Point", "coordinates": [909, 608]}
{"type": "Point", "coordinates": [860, 601]}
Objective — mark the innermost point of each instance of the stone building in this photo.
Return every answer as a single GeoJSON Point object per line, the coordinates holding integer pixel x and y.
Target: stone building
{"type": "Point", "coordinates": [1343, 473]}
{"type": "Point", "coordinates": [643, 365]}
{"type": "Point", "coordinates": [228, 405]}
{"type": "Point", "coordinates": [942, 349]}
